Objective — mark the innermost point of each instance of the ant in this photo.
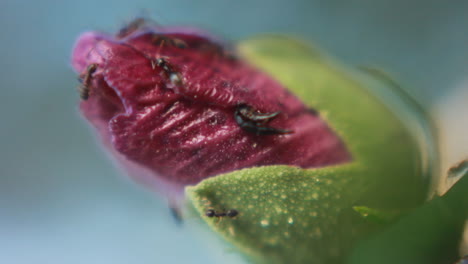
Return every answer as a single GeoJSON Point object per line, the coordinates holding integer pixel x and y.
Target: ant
{"type": "Point", "coordinates": [253, 121]}
{"type": "Point", "coordinates": [85, 80]}
{"type": "Point", "coordinates": [131, 27]}
{"type": "Point", "coordinates": [138, 23]}
{"type": "Point", "coordinates": [229, 213]}
{"type": "Point", "coordinates": [161, 40]}
{"type": "Point", "coordinates": [174, 76]}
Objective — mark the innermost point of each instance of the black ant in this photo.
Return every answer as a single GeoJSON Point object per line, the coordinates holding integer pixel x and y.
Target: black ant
{"type": "Point", "coordinates": [253, 121]}
{"type": "Point", "coordinates": [229, 213]}
{"type": "Point", "coordinates": [139, 23]}
{"type": "Point", "coordinates": [85, 80]}
{"type": "Point", "coordinates": [174, 76]}
{"type": "Point", "coordinates": [131, 27]}
{"type": "Point", "coordinates": [161, 40]}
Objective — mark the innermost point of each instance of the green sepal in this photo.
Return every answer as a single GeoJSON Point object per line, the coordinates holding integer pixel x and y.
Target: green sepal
{"type": "Point", "coordinates": [375, 215]}
{"type": "Point", "coordinates": [380, 141]}
{"type": "Point", "coordinates": [275, 224]}
{"type": "Point", "coordinates": [428, 235]}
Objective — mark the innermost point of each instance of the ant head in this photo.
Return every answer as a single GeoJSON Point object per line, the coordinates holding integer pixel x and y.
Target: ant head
{"type": "Point", "coordinates": [210, 213]}
{"type": "Point", "coordinates": [161, 62]}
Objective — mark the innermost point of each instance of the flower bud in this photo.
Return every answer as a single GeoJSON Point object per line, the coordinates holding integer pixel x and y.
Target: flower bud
{"type": "Point", "coordinates": [176, 106]}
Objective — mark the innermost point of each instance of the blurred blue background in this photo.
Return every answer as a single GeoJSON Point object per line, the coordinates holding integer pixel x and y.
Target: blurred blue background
{"type": "Point", "coordinates": [61, 199]}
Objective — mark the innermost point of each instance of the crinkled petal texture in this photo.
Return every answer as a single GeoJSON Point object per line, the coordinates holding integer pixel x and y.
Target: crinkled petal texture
{"type": "Point", "coordinates": [165, 103]}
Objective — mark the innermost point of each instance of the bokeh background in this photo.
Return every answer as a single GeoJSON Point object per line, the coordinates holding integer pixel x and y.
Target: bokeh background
{"type": "Point", "coordinates": [62, 200]}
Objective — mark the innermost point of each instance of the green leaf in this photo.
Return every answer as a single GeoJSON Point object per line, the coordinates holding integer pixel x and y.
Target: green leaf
{"type": "Point", "coordinates": [293, 215]}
